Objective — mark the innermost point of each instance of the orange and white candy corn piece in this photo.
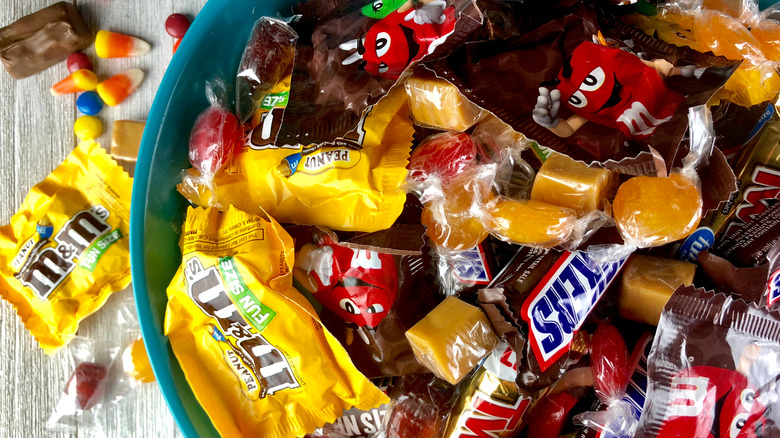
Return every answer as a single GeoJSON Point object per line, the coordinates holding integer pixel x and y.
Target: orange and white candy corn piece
{"type": "Point", "coordinates": [76, 82]}
{"type": "Point", "coordinates": [117, 88]}
{"type": "Point", "coordinates": [116, 45]}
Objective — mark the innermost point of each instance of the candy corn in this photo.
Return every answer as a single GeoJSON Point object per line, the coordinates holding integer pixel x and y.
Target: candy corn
{"type": "Point", "coordinates": [117, 45]}
{"type": "Point", "coordinates": [117, 88]}
{"type": "Point", "coordinates": [76, 82]}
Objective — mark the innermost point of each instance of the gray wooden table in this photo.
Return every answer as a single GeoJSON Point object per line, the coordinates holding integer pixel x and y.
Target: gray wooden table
{"type": "Point", "coordinates": [36, 134]}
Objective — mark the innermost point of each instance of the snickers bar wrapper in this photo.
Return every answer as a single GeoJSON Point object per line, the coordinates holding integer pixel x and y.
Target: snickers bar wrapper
{"type": "Point", "coordinates": [251, 347]}
{"type": "Point", "coordinates": [547, 296]}
{"type": "Point", "coordinates": [66, 249]}
{"type": "Point", "coordinates": [713, 369]}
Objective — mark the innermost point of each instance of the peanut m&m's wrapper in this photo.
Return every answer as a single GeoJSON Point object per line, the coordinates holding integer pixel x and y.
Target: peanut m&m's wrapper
{"type": "Point", "coordinates": [66, 249]}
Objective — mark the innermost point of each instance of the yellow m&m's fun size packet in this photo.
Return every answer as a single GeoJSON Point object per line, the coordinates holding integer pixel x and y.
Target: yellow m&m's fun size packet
{"type": "Point", "coordinates": [351, 184]}
{"type": "Point", "coordinates": [251, 347]}
{"type": "Point", "coordinates": [66, 249]}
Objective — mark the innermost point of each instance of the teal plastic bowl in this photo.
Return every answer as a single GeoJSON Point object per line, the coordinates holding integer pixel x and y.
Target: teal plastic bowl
{"type": "Point", "coordinates": [212, 47]}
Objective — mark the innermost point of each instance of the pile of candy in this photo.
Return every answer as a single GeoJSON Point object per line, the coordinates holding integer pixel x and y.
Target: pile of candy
{"type": "Point", "coordinates": [451, 218]}
{"type": "Point", "coordinates": [564, 252]}
{"type": "Point", "coordinates": [515, 219]}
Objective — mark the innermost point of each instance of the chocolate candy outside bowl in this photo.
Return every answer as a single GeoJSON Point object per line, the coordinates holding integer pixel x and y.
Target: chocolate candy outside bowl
{"type": "Point", "coordinates": [157, 208]}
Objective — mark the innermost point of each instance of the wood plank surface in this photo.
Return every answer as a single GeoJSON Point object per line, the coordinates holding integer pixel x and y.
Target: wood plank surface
{"type": "Point", "coordinates": [36, 134]}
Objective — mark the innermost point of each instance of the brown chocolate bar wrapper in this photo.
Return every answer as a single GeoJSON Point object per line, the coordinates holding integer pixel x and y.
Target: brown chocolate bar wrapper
{"type": "Point", "coordinates": [502, 319]}
{"type": "Point", "coordinates": [37, 41]}
{"type": "Point", "coordinates": [757, 169]}
{"type": "Point", "coordinates": [749, 245]}
{"type": "Point", "coordinates": [722, 276]}
{"type": "Point", "coordinates": [480, 71]}
{"type": "Point", "coordinates": [737, 127]}
{"type": "Point", "coordinates": [712, 352]}
{"type": "Point", "coordinates": [327, 97]}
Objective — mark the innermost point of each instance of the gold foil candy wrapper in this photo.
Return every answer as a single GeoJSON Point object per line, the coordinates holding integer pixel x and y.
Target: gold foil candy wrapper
{"type": "Point", "coordinates": [490, 402]}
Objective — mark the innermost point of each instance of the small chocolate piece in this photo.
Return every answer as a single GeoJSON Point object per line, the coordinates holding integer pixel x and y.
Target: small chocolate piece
{"type": "Point", "coordinates": [756, 168]}
{"type": "Point", "coordinates": [39, 40]}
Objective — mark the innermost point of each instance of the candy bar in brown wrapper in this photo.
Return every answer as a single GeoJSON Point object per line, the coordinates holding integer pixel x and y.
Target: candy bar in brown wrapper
{"type": "Point", "coordinates": [598, 100]}
{"type": "Point", "coordinates": [737, 127]}
{"type": "Point", "coordinates": [713, 369]}
{"type": "Point", "coordinates": [758, 173]}
{"type": "Point", "coordinates": [749, 244]}
{"type": "Point", "coordinates": [369, 299]}
{"type": "Point", "coordinates": [37, 41]}
{"type": "Point", "coordinates": [720, 275]}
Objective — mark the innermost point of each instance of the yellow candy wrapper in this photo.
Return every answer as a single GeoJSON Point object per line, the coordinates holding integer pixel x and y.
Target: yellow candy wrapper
{"type": "Point", "coordinates": [749, 85]}
{"type": "Point", "coordinates": [66, 249]}
{"type": "Point", "coordinates": [351, 184]}
{"type": "Point", "coordinates": [252, 348]}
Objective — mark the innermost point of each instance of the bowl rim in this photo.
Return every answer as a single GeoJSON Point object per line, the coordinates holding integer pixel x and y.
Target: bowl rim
{"type": "Point", "coordinates": [156, 343]}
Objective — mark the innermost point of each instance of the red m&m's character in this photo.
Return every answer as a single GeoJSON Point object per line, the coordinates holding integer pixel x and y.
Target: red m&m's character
{"type": "Point", "coordinates": [710, 402]}
{"type": "Point", "coordinates": [613, 88]}
{"type": "Point", "coordinates": [360, 286]}
{"type": "Point", "coordinates": [399, 39]}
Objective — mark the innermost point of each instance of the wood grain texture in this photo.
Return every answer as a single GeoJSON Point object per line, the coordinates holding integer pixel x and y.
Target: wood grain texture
{"type": "Point", "coordinates": [36, 134]}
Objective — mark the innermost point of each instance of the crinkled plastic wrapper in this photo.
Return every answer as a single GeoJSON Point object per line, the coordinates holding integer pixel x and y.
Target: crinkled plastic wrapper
{"type": "Point", "coordinates": [251, 347]}
{"type": "Point", "coordinates": [369, 298]}
{"type": "Point", "coordinates": [713, 366]}
{"type": "Point", "coordinates": [66, 248]}
{"type": "Point", "coordinates": [587, 95]}
{"type": "Point", "coordinates": [350, 184]}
